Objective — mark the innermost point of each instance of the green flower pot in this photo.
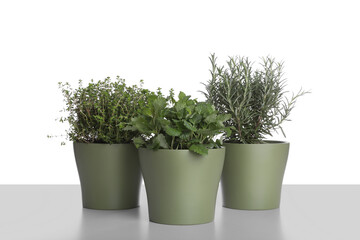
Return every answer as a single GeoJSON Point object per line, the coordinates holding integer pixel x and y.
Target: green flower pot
{"type": "Point", "coordinates": [181, 186]}
{"type": "Point", "coordinates": [109, 175]}
{"type": "Point", "coordinates": [253, 174]}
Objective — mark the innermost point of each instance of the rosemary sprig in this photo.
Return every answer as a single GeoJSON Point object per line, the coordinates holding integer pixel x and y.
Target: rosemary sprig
{"type": "Point", "coordinates": [255, 98]}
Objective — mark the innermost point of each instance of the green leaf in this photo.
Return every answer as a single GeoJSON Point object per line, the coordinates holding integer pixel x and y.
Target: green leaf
{"type": "Point", "coordinates": [210, 145]}
{"type": "Point", "coordinates": [228, 131]}
{"type": "Point", "coordinates": [211, 118]}
{"type": "Point", "coordinates": [179, 106]}
{"type": "Point", "coordinates": [199, 149]}
{"type": "Point", "coordinates": [164, 123]}
{"type": "Point", "coordinates": [201, 107]}
{"type": "Point", "coordinates": [161, 140]}
{"type": "Point", "coordinates": [159, 104]}
{"type": "Point", "coordinates": [282, 131]}
{"type": "Point", "coordinates": [223, 117]}
{"type": "Point", "coordinates": [185, 136]}
{"type": "Point", "coordinates": [182, 96]}
{"type": "Point", "coordinates": [139, 142]}
{"type": "Point", "coordinates": [188, 111]}
{"type": "Point", "coordinates": [141, 125]}
{"type": "Point", "coordinates": [196, 119]}
{"type": "Point", "coordinates": [147, 112]}
{"type": "Point", "coordinates": [172, 131]}
{"type": "Point", "coordinates": [189, 126]}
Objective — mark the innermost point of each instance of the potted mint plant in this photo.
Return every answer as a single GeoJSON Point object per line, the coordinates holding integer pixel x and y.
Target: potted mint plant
{"type": "Point", "coordinates": [180, 160]}
{"type": "Point", "coordinates": [254, 167]}
{"type": "Point", "coordinates": [106, 159]}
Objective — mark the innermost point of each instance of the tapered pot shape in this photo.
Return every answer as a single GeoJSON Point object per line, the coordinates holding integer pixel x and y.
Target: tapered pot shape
{"type": "Point", "coordinates": [109, 175]}
{"type": "Point", "coordinates": [181, 186]}
{"type": "Point", "coordinates": [253, 174]}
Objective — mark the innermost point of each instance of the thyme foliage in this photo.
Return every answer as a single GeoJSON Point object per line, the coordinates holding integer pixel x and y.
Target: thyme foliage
{"type": "Point", "coordinates": [255, 98]}
{"type": "Point", "coordinates": [185, 123]}
{"type": "Point", "coordinates": [99, 112]}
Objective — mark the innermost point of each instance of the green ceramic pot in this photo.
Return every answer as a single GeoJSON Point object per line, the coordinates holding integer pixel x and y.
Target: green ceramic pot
{"type": "Point", "coordinates": [253, 174]}
{"type": "Point", "coordinates": [109, 175]}
{"type": "Point", "coordinates": [181, 186]}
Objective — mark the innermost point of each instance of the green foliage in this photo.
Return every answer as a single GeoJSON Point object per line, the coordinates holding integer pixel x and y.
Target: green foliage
{"type": "Point", "coordinates": [184, 124]}
{"type": "Point", "coordinates": [255, 98]}
{"type": "Point", "coordinates": [99, 112]}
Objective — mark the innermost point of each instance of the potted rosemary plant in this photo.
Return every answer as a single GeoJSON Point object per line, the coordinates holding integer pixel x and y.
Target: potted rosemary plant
{"type": "Point", "coordinates": [106, 159]}
{"type": "Point", "coordinates": [254, 167]}
{"type": "Point", "coordinates": [181, 163]}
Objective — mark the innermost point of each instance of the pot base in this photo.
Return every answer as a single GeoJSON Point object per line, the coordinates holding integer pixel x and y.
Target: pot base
{"type": "Point", "coordinates": [184, 224]}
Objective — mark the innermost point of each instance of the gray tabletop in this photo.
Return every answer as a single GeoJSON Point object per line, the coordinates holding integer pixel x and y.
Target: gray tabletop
{"type": "Point", "coordinates": [55, 212]}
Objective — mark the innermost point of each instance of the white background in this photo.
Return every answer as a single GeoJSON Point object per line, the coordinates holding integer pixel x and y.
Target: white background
{"type": "Point", "coordinates": [167, 43]}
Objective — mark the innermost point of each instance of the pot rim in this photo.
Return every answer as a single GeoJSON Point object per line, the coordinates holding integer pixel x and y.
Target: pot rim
{"type": "Point", "coordinates": [176, 150]}
{"type": "Point", "coordinates": [266, 142]}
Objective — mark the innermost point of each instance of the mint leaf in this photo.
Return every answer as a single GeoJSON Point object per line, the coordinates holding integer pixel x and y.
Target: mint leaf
{"type": "Point", "coordinates": [199, 149]}
{"type": "Point", "coordinates": [211, 118]}
{"type": "Point", "coordinates": [161, 140]}
{"type": "Point", "coordinates": [189, 126]}
{"type": "Point", "coordinates": [172, 131]}
{"type": "Point", "coordinates": [139, 142]}
{"type": "Point", "coordinates": [182, 96]}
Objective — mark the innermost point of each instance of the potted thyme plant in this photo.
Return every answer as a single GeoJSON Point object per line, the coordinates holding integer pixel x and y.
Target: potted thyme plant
{"type": "Point", "coordinates": [254, 167]}
{"type": "Point", "coordinates": [180, 160]}
{"type": "Point", "coordinates": [106, 159]}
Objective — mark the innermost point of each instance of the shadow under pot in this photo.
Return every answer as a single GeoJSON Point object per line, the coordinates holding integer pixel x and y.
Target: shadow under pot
{"type": "Point", "coordinates": [253, 174]}
{"type": "Point", "coordinates": [109, 175]}
{"type": "Point", "coordinates": [181, 186]}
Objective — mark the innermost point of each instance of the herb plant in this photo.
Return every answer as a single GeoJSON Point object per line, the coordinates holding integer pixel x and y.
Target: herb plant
{"type": "Point", "coordinates": [255, 98]}
{"type": "Point", "coordinates": [184, 124]}
{"type": "Point", "coordinates": [99, 112]}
